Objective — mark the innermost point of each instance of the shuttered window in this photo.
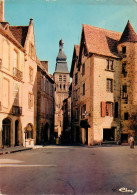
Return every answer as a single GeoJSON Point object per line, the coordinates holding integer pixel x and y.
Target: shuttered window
{"type": "Point", "coordinates": [106, 109]}
{"type": "Point", "coordinates": [103, 109]}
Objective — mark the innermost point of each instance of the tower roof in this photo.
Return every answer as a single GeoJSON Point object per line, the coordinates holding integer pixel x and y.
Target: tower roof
{"type": "Point", "coordinates": [129, 35]}
{"type": "Point", "coordinates": [61, 60]}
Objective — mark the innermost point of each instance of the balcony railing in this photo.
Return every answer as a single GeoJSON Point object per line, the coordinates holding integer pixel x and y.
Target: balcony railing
{"type": "Point", "coordinates": [16, 110]}
{"type": "Point", "coordinates": [17, 73]}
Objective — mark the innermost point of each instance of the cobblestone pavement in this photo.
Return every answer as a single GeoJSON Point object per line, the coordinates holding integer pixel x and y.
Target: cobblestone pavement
{"type": "Point", "coordinates": [70, 170]}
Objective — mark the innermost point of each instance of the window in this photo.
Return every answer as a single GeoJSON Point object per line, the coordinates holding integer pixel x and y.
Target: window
{"type": "Point", "coordinates": [123, 50]}
{"type": "Point", "coordinates": [124, 72]}
{"type": "Point", "coordinates": [64, 78]}
{"type": "Point", "coordinates": [124, 67]}
{"type": "Point", "coordinates": [109, 109]}
{"type": "Point", "coordinates": [84, 89]}
{"type": "Point", "coordinates": [76, 78]}
{"type": "Point", "coordinates": [124, 91]}
{"type": "Point", "coordinates": [30, 74]}
{"type": "Point", "coordinates": [110, 65]}
{"type": "Point", "coordinates": [109, 87]}
{"type": "Point", "coordinates": [30, 100]}
{"type": "Point", "coordinates": [106, 109]}
{"type": "Point", "coordinates": [64, 87]}
{"type": "Point", "coordinates": [126, 116]}
{"type": "Point", "coordinates": [83, 69]}
{"type": "Point", "coordinates": [83, 111]}
{"type": "Point", "coordinates": [60, 86]}
{"type": "Point", "coordinates": [60, 78]}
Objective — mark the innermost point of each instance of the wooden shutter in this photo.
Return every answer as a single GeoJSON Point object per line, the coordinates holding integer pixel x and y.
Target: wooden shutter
{"type": "Point", "coordinates": [103, 109]}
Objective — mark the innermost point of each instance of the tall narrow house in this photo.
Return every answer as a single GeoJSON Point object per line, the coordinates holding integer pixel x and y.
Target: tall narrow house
{"type": "Point", "coordinates": [62, 80]}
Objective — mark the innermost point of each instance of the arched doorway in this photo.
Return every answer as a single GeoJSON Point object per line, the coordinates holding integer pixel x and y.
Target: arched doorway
{"type": "Point", "coordinates": [46, 133]}
{"type": "Point", "coordinates": [29, 131]}
{"type": "Point", "coordinates": [6, 129]}
{"type": "Point", "coordinates": [16, 133]}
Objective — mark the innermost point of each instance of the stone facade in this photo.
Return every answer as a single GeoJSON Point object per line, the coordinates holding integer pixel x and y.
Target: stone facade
{"type": "Point", "coordinates": [45, 105]}
{"type": "Point", "coordinates": [18, 76]}
{"type": "Point", "coordinates": [104, 86]}
{"type": "Point", "coordinates": [11, 85]}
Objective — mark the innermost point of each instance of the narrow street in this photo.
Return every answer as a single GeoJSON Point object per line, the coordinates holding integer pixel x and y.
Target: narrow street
{"type": "Point", "coordinates": [69, 170]}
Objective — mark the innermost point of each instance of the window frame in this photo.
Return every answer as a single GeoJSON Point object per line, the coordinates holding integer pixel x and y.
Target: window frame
{"type": "Point", "coordinates": [109, 85]}
{"type": "Point", "coordinates": [110, 66]}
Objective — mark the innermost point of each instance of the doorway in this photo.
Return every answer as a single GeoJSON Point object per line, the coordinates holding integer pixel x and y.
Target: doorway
{"type": "Point", "coordinates": [6, 129]}
{"type": "Point", "coordinates": [16, 133]}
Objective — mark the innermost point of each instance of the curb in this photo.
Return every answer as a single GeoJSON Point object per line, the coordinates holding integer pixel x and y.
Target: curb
{"type": "Point", "coordinates": [13, 151]}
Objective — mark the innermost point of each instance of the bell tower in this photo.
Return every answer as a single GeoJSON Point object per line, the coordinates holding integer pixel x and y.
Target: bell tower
{"type": "Point", "coordinates": [2, 11]}
{"type": "Point", "coordinates": [62, 80]}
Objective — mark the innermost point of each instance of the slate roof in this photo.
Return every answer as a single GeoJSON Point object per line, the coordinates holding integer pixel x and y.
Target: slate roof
{"type": "Point", "coordinates": [61, 67]}
{"type": "Point", "coordinates": [61, 60]}
{"type": "Point", "coordinates": [61, 56]}
{"type": "Point", "coordinates": [75, 56]}
{"type": "Point", "coordinates": [20, 33]}
{"type": "Point", "coordinates": [101, 41]}
{"type": "Point", "coordinates": [129, 35]}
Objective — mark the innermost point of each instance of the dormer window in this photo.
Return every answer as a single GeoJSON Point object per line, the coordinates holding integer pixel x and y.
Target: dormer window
{"type": "Point", "coordinates": [124, 50]}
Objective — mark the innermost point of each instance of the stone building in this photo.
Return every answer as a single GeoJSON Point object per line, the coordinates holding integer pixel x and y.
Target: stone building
{"type": "Point", "coordinates": [12, 56]}
{"type": "Point", "coordinates": [62, 80]}
{"type": "Point", "coordinates": [18, 98]}
{"type": "Point", "coordinates": [104, 85]}
{"type": "Point", "coordinates": [66, 134]}
{"type": "Point", "coordinates": [45, 104]}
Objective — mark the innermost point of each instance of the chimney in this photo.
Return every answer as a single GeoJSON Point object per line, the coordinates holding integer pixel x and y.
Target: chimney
{"type": "Point", "coordinates": [2, 11]}
{"type": "Point", "coordinates": [45, 64]}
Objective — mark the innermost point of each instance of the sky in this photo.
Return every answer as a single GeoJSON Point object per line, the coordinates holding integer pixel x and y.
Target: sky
{"type": "Point", "coordinates": [56, 19]}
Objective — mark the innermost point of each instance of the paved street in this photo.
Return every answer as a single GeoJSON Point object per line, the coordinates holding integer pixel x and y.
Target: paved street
{"type": "Point", "coordinates": [70, 170]}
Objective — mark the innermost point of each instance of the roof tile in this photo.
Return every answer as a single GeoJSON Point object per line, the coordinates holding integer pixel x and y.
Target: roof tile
{"type": "Point", "coordinates": [101, 41]}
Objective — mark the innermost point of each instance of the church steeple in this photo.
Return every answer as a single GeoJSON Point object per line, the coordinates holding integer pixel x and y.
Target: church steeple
{"type": "Point", "coordinates": [2, 11]}
{"type": "Point", "coordinates": [61, 60]}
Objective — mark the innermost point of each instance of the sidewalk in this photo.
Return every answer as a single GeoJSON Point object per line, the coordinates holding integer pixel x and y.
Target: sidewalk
{"type": "Point", "coordinates": [13, 149]}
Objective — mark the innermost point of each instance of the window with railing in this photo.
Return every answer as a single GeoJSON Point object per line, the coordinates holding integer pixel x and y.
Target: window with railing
{"type": "Point", "coordinates": [16, 110]}
{"type": "Point", "coordinates": [17, 73]}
